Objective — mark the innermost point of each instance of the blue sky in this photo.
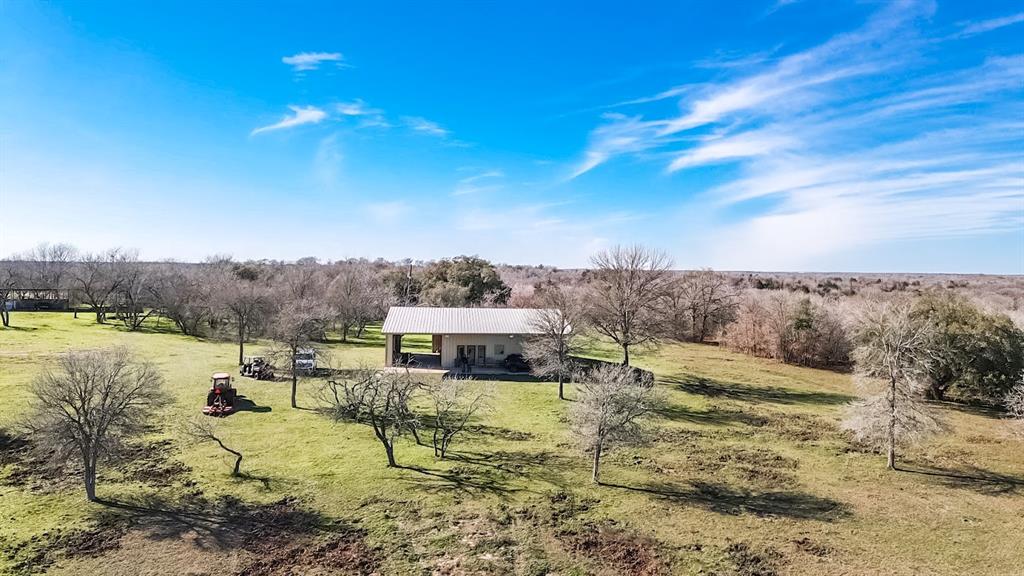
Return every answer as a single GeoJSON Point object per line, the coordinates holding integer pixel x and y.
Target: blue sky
{"type": "Point", "coordinates": [793, 135]}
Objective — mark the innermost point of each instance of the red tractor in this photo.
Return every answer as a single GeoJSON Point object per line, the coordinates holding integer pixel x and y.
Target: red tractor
{"type": "Point", "coordinates": [221, 399]}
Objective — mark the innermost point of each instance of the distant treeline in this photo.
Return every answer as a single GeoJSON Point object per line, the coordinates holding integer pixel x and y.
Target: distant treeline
{"type": "Point", "coordinates": [632, 296]}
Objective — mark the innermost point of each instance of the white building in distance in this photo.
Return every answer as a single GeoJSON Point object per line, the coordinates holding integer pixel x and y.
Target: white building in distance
{"type": "Point", "coordinates": [459, 336]}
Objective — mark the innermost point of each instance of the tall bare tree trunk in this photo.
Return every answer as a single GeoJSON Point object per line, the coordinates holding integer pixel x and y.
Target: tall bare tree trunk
{"type": "Point", "coordinates": [561, 370]}
{"type": "Point", "coordinates": [891, 462]}
{"type": "Point", "coordinates": [625, 354]}
{"type": "Point", "coordinates": [241, 344]}
{"type": "Point", "coordinates": [295, 380]}
{"type": "Point", "coordinates": [89, 474]}
{"type": "Point", "coordinates": [389, 448]}
{"type": "Point", "coordinates": [391, 455]}
{"type": "Point", "coordinates": [596, 477]}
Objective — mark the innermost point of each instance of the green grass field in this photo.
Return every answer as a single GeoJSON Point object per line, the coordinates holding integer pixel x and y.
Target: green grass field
{"type": "Point", "coordinates": [747, 473]}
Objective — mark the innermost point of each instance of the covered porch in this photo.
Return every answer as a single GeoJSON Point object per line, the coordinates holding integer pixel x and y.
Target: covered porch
{"type": "Point", "coordinates": [461, 340]}
{"type": "Point", "coordinates": [462, 353]}
{"type": "Point", "coordinates": [413, 351]}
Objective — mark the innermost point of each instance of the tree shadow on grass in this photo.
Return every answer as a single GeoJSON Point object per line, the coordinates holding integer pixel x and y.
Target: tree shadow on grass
{"type": "Point", "coordinates": [503, 377]}
{"type": "Point", "coordinates": [459, 480]}
{"type": "Point", "coordinates": [724, 499]}
{"type": "Point", "coordinates": [266, 481]}
{"type": "Point", "coordinates": [498, 432]}
{"type": "Point", "coordinates": [716, 416]}
{"type": "Point", "coordinates": [545, 466]}
{"type": "Point", "coordinates": [17, 328]}
{"type": "Point", "coordinates": [980, 410]}
{"type": "Point", "coordinates": [971, 478]}
{"type": "Point", "coordinates": [220, 524]}
{"type": "Point", "coordinates": [164, 327]}
{"type": "Point", "coordinates": [760, 394]}
{"type": "Point", "coordinates": [281, 537]}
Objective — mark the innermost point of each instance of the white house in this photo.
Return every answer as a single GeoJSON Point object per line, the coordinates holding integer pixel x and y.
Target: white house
{"type": "Point", "coordinates": [473, 336]}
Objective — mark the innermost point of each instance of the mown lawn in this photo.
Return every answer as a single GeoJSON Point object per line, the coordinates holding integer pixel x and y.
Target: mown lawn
{"type": "Point", "coordinates": [746, 473]}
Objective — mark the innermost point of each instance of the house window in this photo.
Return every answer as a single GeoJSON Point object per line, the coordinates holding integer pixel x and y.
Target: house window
{"type": "Point", "coordinates": [499, 349]}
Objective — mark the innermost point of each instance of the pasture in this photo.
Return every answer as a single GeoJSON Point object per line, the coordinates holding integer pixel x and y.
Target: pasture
{"type": "Point", "coordinates": [746, 473]}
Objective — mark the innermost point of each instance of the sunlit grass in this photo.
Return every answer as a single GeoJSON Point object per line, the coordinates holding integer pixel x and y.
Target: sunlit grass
{"type": "Point", "coordinates": [747, 451]}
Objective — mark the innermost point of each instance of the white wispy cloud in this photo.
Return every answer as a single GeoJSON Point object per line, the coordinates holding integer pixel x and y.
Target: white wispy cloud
{"type": "Point", "coordinates": [356, 107]}
{"type": "Point", "coordinates": [742, 145]}
{"type": "Point", "coordinates": [980, 27]}
{"type": "Point", "coordinates": [487, 181]}
{"type": "Point", "coordinates": [723, 60]}
{"type": "Point", "coordinates": [843, 145]}
{"type": "Point", "coordinates": [368, 117]}
{"type": "Point", "coordinates": [300, 115]}
{"type": "Point", "coordinates": [794, 82]}
{"type": "Point", "coordinates": [304, 61]}
{"type": "Point", "coordinates": [425, 126]}
{"type": "Point", "coordinates": [780, 4]}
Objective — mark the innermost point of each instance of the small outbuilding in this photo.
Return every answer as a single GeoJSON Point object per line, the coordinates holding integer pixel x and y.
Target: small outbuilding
{"type": "Point", "coordinates": [460, 337]}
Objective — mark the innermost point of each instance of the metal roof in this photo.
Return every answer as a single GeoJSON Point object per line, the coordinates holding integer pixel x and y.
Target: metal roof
{"type": "Point", "coordinates": [426, 320]}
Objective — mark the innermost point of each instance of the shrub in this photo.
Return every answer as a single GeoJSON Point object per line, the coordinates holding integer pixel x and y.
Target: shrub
{"type": "Point", "coordinates": [793, 328]}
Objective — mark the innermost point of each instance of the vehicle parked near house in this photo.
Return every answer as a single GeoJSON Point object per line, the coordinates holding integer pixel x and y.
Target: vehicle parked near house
{"type": "Point", "coordinates": [305, 360]}
{"type": "Point", "coordinates": [257, 367]}
{"type": "Point", "coordinates": [516, 363]}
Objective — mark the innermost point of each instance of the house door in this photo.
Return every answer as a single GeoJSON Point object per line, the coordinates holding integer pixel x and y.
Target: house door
{"type": "Point", "coordinates": [471, 355]}
{"type": "Point", "coordinates": [481, 354]}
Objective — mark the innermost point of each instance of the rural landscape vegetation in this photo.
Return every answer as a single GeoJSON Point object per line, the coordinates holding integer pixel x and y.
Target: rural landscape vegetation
{"type": "Point", "coordinates": [669, 288]}
{"type": "Point", "coordinates": [673, 421]}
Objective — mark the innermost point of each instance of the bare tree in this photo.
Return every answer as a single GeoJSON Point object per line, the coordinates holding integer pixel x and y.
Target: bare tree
{"type": "Point", "coordinates": [455, 403]}
{"type": "Point", "coordinates": [248, 303]}
{"type": "Point", "coordinates": [184, 296]}
{"type": "Point", "coordinates": [558, 324]}
{"type": "Point", "coordinates": [341, 394]}
{"type": "Point", "coordinates": [710, 301]}
{"type": "Point", "coordinates": [611, 408]}
{"type": "Point", "coordinates": [135, 294]}
{"type": "Point", "coordinates": [89, 405]}
{"type": "Point", "coordinates": [806, 330]}
{"type": "Point", "coordinates": [205, 430]}
{"type": "Point", "coordinates": [891, 360]}
{"type": "Point", "coordinates": [352, 297]}
{"type": "Point", "coordinates": [97, 279]}
{"type": "Point", "coordinates": [8, 284]}
{"type": "Point", "coordinates": [295, 325]}
{"type": "Point", "coordinates": [627, 285]}
{"type": "Point", "coordinates": [304, 280]}
{"type": "Point", "coordinates": [379, 398]}
{"type": "Point", "coordinates": [49, 265]}
{"type": "Point", "coordinates": [675, 321]}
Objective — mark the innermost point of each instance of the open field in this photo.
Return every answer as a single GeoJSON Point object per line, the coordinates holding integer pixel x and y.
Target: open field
{"type": "Point", "coordinates": [747, 473]}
